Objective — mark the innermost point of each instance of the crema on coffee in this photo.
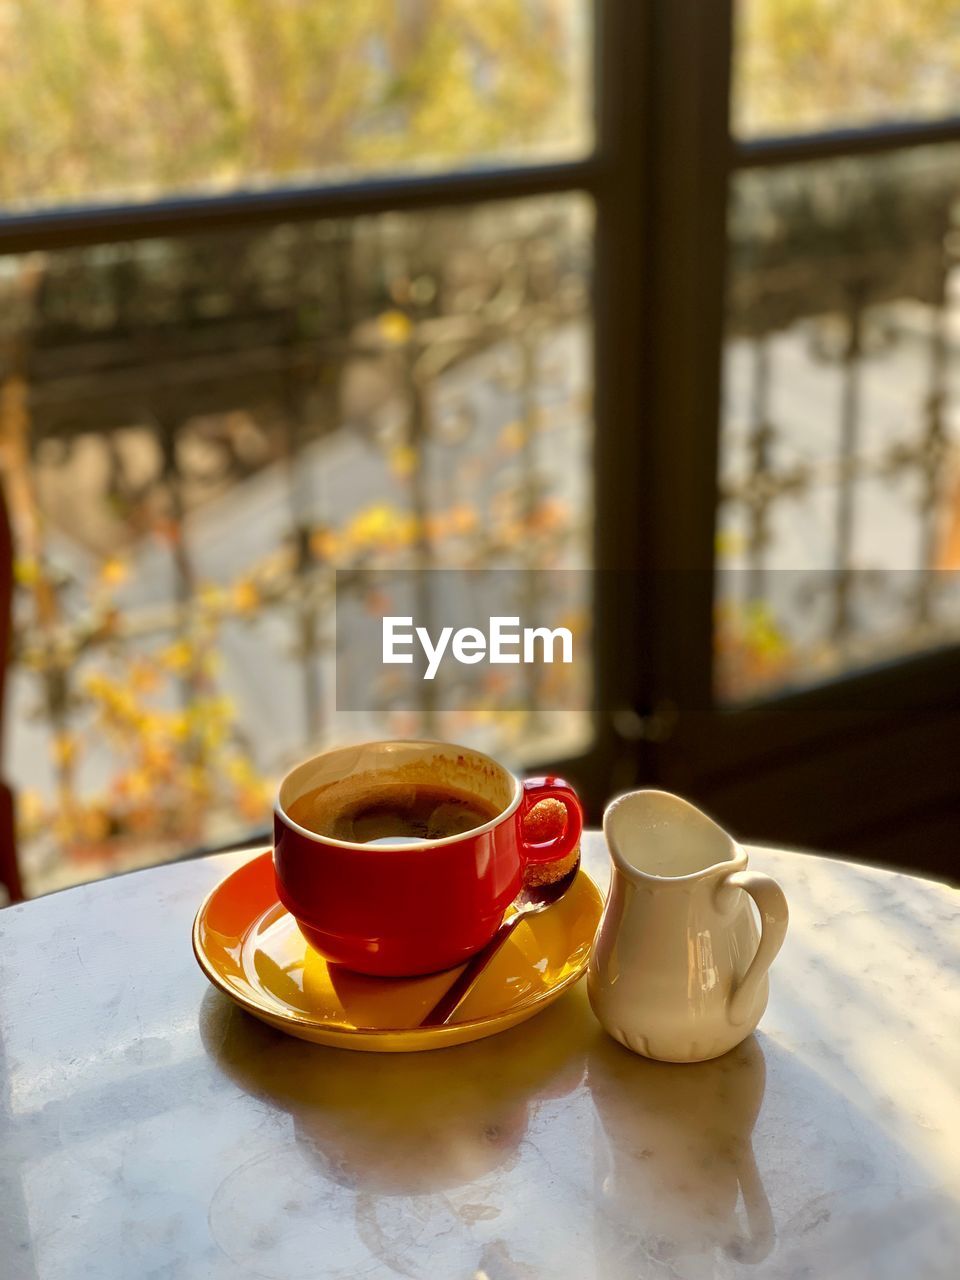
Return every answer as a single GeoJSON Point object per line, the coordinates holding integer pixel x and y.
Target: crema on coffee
{"type": "Point", "coordinates": [392, 812]}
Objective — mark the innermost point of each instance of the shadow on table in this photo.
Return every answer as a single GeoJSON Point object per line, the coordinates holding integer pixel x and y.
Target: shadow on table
{"type": "Point", "coordinates": [670, 1156]}
{"type": "Point", "coordinates": [402, 1124]}
{"type": "Point", "coordinates": [444, 1155]}
{"type": "Point", "coordinates": [678, 1155]}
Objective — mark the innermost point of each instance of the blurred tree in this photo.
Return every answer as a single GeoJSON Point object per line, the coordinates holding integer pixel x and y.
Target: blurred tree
{"type": "Point", "coordinates": [804, 63]}
{"type": "Point", "coordinates": [138, 96]}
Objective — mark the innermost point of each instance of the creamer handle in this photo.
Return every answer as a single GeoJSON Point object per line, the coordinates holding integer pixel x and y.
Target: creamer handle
{"type": "Point", "coordinates": [774, 915]}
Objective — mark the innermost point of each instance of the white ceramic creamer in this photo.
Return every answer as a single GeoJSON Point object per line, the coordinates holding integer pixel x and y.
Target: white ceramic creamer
{"type": "Point", "coordinates": [679, 970]}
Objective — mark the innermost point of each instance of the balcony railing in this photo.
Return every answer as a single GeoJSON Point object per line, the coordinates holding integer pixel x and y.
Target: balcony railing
{"type": "Point", "coordinates": [840, 511]}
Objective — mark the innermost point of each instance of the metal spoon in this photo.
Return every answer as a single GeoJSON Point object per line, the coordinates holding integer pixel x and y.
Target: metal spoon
{"type": "Point", "coordinates": [529, 902]}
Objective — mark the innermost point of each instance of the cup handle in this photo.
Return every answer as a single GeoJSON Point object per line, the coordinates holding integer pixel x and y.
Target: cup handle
{"type": "Point", "coordinates": [550, 788]}
{"type": "Point", "coordinates": [774, 915]}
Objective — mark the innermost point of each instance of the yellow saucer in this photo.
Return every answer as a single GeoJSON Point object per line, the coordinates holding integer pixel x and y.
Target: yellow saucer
{"type": "Point", "coordinates": [250, 948]}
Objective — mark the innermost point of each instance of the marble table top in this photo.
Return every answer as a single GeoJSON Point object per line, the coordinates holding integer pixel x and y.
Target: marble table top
{"type": "Point", "coordinates": [151, 1131]}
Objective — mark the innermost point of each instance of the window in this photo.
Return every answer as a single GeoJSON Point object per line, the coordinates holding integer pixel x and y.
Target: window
{"type": "Point", "coordinates": [294, 287]}
{"type": "Point", "coordinates": [200, 428]}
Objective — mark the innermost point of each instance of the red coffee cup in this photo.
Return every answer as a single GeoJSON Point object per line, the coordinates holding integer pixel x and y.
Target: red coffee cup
{"type": "Point", "coordinates": [402, 909]}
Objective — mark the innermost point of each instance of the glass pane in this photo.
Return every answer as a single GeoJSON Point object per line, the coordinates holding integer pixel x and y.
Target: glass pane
{"type": "Point", "coordinates": [839, 525]}
{"type": "Point", "coordinates": [198, 433]}
{"type": "Point", "coordinates": [806, 64]}
{"type": "Point", "coordinates": [129, 101]}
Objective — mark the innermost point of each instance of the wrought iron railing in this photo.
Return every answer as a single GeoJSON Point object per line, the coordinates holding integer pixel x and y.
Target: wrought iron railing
{"type": "Point", "coordinates": [853, 264]}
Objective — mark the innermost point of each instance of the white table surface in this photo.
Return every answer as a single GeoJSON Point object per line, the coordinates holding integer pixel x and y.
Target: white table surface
{"type": "Point", "coordinates": [151, 1131]}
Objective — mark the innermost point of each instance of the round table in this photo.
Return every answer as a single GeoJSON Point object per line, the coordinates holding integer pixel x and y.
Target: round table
{"type": "Point", "coordinates": [151, 1131]}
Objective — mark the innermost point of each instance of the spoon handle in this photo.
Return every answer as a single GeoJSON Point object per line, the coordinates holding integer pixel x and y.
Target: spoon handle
{"type": "Point", "coordinates": [454, 995]}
